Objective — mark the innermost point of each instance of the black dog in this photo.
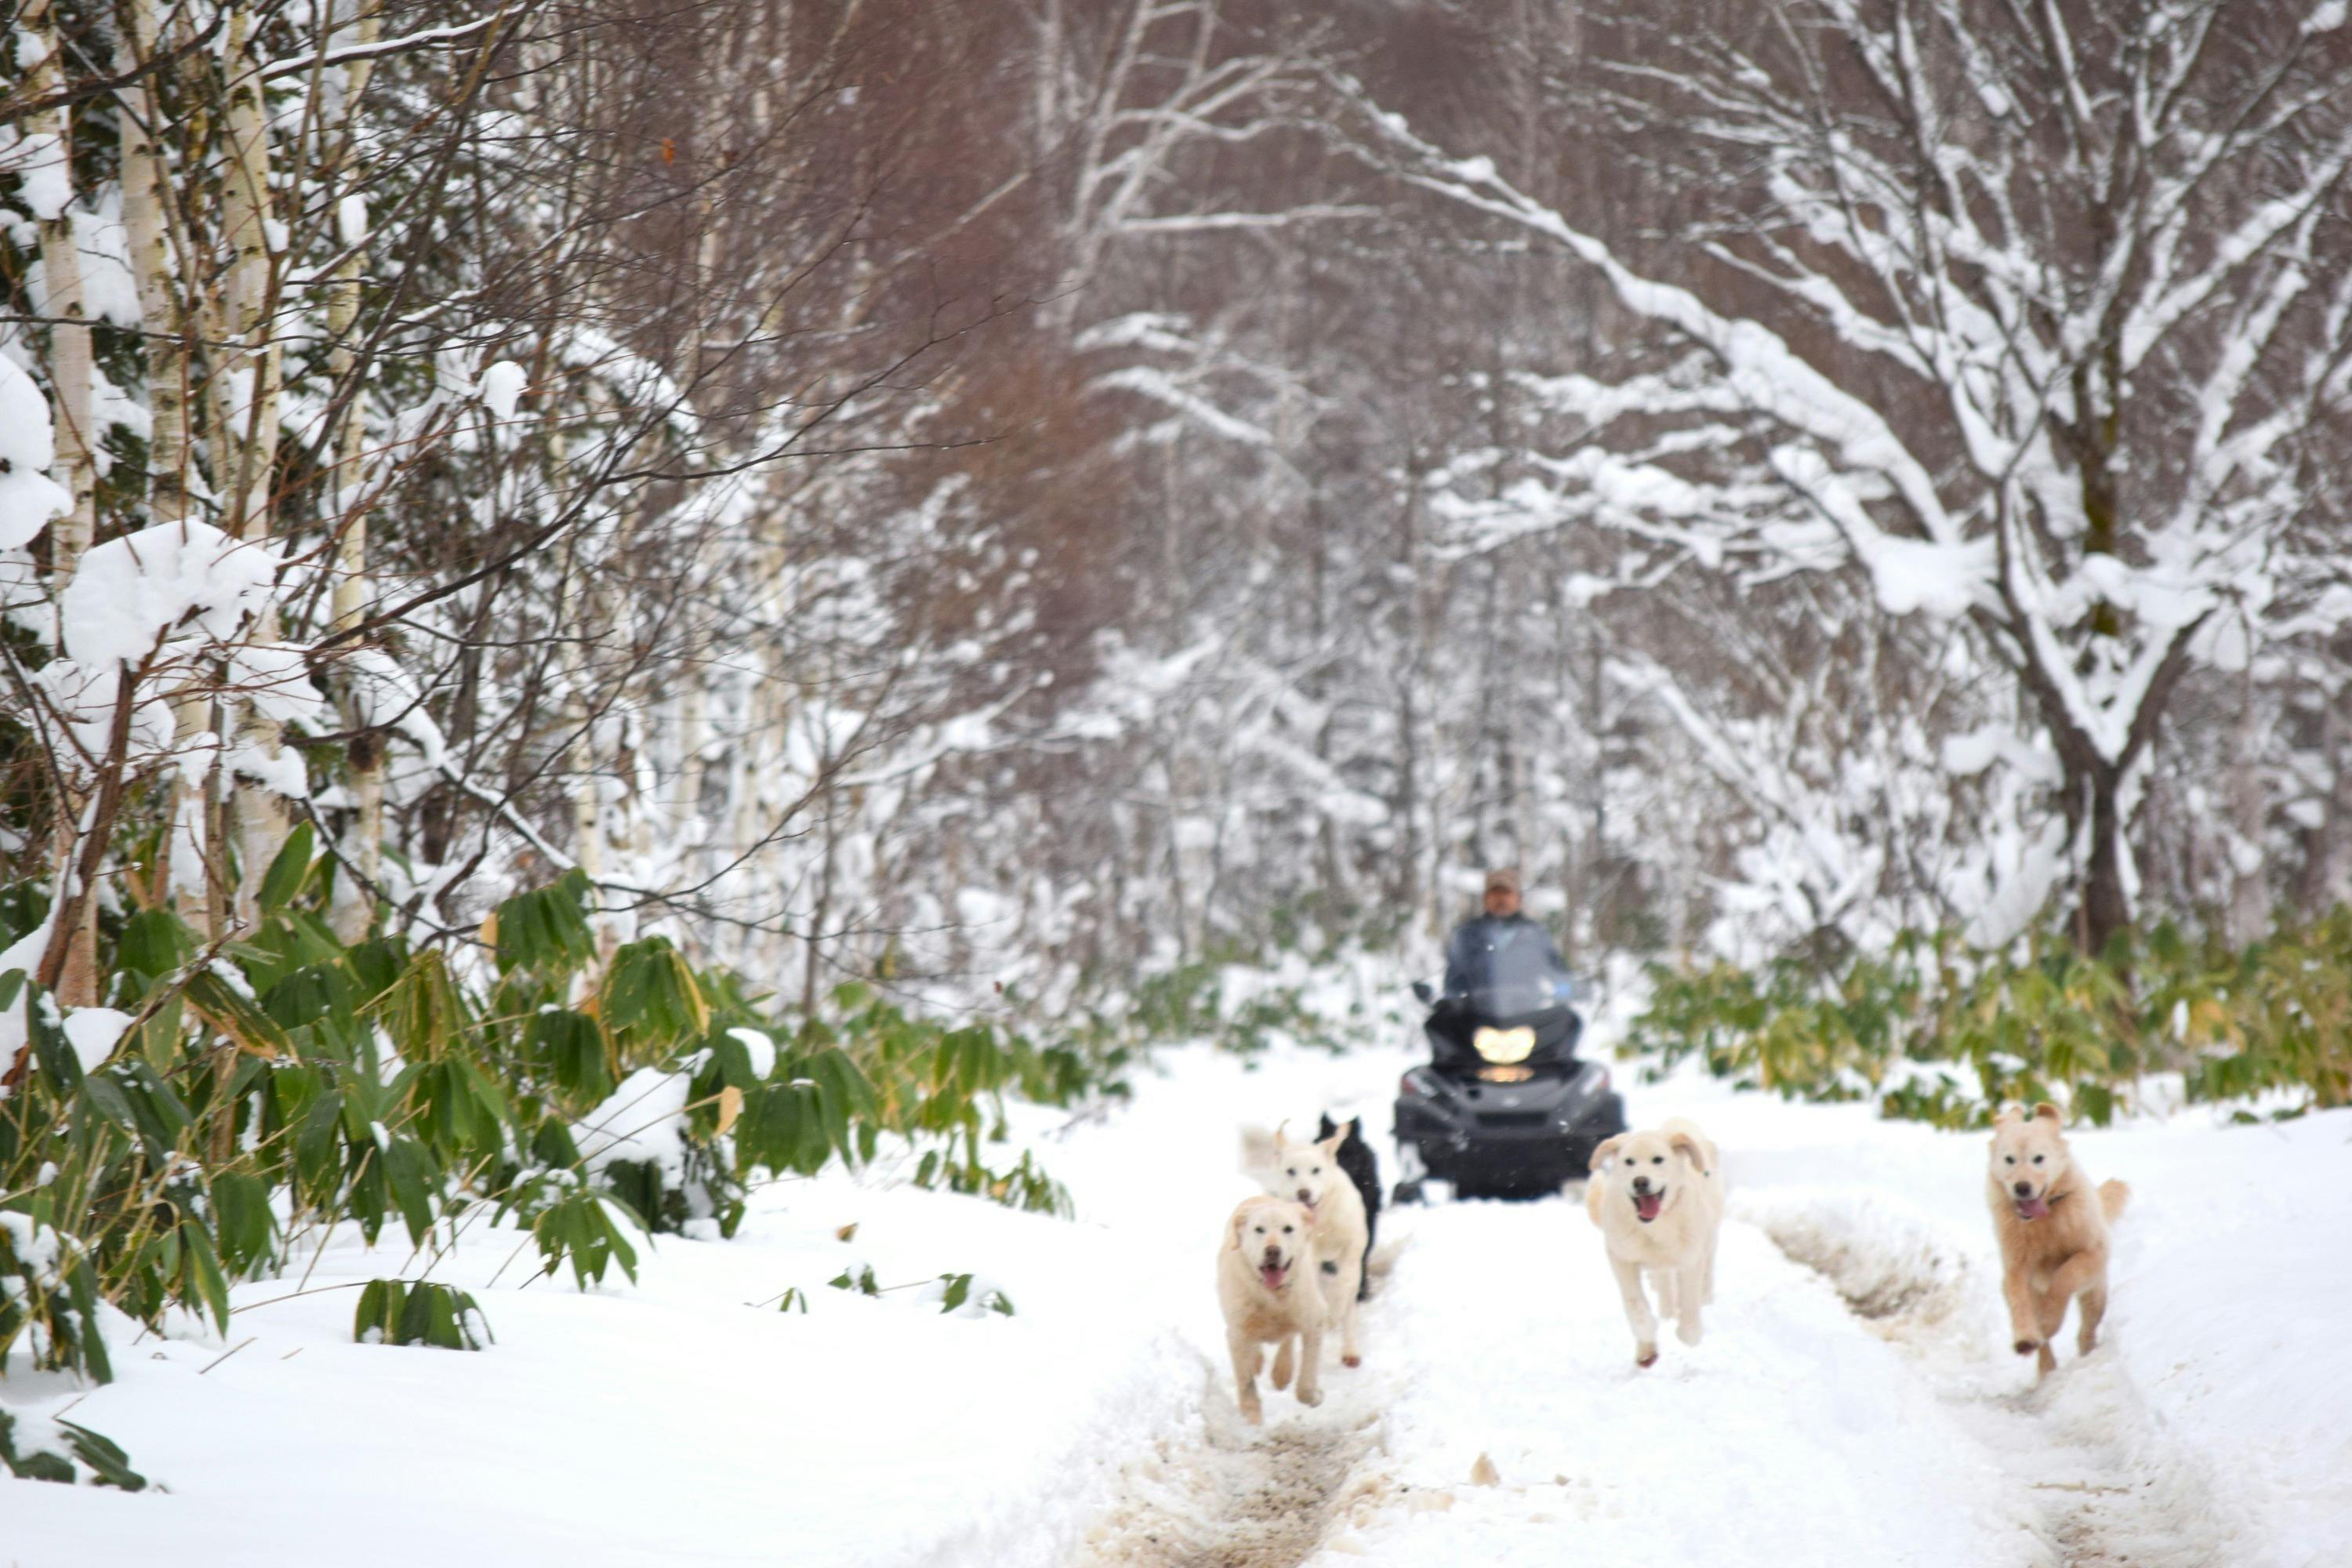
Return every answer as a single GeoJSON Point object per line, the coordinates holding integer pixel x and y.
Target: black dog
{"type": "Point", "coordinates": [1356, 1159]}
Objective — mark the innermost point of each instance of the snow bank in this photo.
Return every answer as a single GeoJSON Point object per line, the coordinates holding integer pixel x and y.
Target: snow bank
{"type": "Point", "coordinates": [1851, 1400]}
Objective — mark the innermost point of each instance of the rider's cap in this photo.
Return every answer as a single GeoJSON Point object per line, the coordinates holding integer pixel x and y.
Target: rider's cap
{"type": "Point", "coordinates": [1503, 878]}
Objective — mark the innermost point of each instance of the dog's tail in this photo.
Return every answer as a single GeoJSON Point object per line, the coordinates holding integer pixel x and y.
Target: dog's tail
{"type": "Point", "coordinates": [2112, 1196]}
{"type": "Point", "coordinates": [1381, 1261]}
{"type": "Point", "coordinates": [1256, 1149]}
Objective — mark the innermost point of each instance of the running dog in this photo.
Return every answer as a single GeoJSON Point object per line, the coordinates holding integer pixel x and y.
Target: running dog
{"type": "Point", "coordinates": [1271, 1294]}
{"type": "Point", "coordinates": [1310, 1173]}
{"type": "Point", "coordinates": [1659, 1202]}
{"type": "Point", "coordinates": [2053, 1231]}
{"type": "Point", "coordinates": [1356, 1159]}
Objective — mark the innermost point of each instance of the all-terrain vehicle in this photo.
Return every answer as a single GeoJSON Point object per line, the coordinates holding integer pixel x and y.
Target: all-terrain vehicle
{"type": "Point", "coordinates": [1504, 1108]}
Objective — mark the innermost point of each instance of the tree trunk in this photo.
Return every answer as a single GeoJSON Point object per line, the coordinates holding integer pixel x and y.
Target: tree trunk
{"type": "Point", "coordinates": [246, 460]}
{"type": "Point", "coordinates": [2326, 877]}
{"type": "Point", "coordinates": [2105, 908]}
{"type": "Point", "coordinates": [2248, 806]}
{"type": "Point", "coordinates": [362, 847]}
{"type": "Point", "coordinates": [146, 194]}
{"type": "Point", "coordinates": [48, 186]}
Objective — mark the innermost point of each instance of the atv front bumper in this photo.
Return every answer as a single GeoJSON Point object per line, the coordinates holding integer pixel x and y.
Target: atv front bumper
{"type": "Point", "coordinates": [1508, 1137]}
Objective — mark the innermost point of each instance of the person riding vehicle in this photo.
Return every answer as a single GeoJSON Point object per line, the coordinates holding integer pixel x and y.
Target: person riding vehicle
{"type": "Point", "coordinates": [1499, 962]}
{"type": "Point", "coordinates": [1504, 1105]}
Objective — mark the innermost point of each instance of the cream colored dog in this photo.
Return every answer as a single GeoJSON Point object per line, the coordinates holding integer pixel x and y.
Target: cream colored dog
{"type": "Point", "coordinates": [1310, 1173]}
{"type": "Point", "coordinates": [1659, 1202]}
{"type": "Point", "coordinates": [1266, 1285]}
{"type": "Point", "coordinates": [2052, 1230]}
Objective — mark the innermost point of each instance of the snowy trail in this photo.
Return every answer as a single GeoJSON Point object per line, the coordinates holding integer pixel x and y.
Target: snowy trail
{"type": "Point", "coordinates": [1853, 1401]}
{"type": "Point", "coordinates": [2070, 1474]}
{"type": "Point", "coordinates": [1847, 1404]}
{"type": "Point", "coordinates": [1231, 1496]}
{"type": "Point", "coordinates": [2108, 1485]}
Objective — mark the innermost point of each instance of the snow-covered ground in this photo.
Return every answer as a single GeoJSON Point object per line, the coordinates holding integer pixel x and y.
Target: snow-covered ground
{"type": "Point", "coordinates": [1855, 1400]}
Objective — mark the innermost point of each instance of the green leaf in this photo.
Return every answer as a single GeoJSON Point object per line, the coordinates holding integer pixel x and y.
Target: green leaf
{"type": "Point", "coordinates": [574, 1048]}
{"type": "Point", "coordinates": [406, 1169]}
{"type": "Point", "coordinates": [241, 1205]}
{"type": "Point", "coordinates": [227, 1009]}
{"type": "Point", "coordinates": [421, 1010]}
{"type": "Point", "coordinates": [317, 1148]}
{"type": "Point", "coordinates": [288, 869]}
{"type": "Point", "coordinates": [547, 929]}
{"type": "Point", "coordinates": [418, 1312]}
{"type": "Point", "coordinates": [204, 1271]}
{"type": "Point", "coordinates": [104, 1456]}
{"type": "Point", "coordinates": [107, 1098]}
{"type": "Point", "coordinates": [651, 996]}
{"type": "Point", "coordinates": [154, 942]}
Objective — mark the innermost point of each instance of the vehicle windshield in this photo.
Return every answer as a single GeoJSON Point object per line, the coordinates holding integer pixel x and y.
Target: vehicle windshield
{"type": "Point", "coordinates": [1507, 971]}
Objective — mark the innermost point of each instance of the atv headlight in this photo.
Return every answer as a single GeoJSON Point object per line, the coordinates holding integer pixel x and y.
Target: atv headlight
{"type": "Point", "coordinates": [1505, 1045]}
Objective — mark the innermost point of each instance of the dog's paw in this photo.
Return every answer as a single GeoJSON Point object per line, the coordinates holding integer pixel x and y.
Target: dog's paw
{"type": "Point", "coordinates": [1687, 1330]}
{"type": "Point", "coordinates": [2027, 1347]}
{"type": "Point", "coordinates": [1310, 1397]}
{"type": "Point", "coordinates": [1253, 1412]}
{"type": "Point", "coordinates": [1646, 1356]}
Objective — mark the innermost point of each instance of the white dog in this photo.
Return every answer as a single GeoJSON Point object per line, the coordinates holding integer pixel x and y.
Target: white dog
{"type": "Point", "coordinates": [1310, 1174]}
{"type": "Point", "coordinates": [1659, 1202]}
{"type": "Point", "coordinates": [1267, 1250]}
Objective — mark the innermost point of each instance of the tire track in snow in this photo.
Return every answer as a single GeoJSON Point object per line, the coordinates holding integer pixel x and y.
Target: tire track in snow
{"type": "Point", "coordinates": [1226, 1494]}
{"type": "Point", "coordinates": [2111, 1489]}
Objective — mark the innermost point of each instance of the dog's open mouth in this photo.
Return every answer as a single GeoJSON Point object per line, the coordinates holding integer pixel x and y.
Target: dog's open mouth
{"type": "Point", "coordinates": [2031, 1208]}
{"type": "Point", "coordinates": [1273, 1274]}
{"type": "Point", "coordinates": [1647, 1205]}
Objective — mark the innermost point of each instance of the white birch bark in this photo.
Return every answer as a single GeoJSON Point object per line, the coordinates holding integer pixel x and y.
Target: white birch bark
{"type": "Point", "coordinates": [247, 464]}
{"type": "Point", "coordinates": [48, 182]}
{"type": "Point", "coordinates": [364, 845]}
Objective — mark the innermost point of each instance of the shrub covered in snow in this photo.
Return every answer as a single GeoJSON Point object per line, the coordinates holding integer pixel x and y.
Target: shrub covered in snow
{"type": "Point", "coordinates": [241, 1095]}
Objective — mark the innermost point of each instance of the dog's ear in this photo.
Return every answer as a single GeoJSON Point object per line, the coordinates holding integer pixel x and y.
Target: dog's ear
{"type": "Point", "coordinates": [1233, 1228]}
{"type": "Point", "coordinates": [2006, 1115]}
{"type": "Point", "coordinates": [1330, 1146]}
{"type": "Point", "coordinates": [1690, 1149]}
{"type": "Point", "coordinates": [1356, 1128]}
{"type": "Point", "coordinates": [2045, 1111]}
{"type": "Point", "coordinates": [1323, 1128]}
{"type": "Point", "coordinates": [1606, 1151]}
{"type": "Point", "coordinates": [1282, 1136]}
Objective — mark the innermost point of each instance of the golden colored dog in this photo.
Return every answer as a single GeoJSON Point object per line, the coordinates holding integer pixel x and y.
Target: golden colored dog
{"type": "Point", "coordinates": [2053, 1229]}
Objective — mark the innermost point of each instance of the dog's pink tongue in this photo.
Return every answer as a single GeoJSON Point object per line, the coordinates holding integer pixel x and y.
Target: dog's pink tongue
{"type": "Point", "coordinates": [1271, 1274]}
{"type": "Point", "coordinates": [1646, 1204]}
{"type": "Point", "coordinates": [2031, 1208]}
